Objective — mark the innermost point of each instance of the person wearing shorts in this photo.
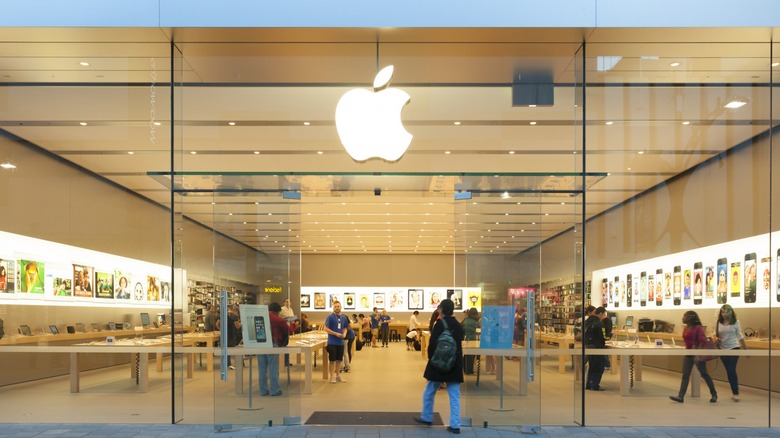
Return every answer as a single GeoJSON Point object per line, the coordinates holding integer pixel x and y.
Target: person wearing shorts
{"type": "Point", "coordinates": [336, 326]}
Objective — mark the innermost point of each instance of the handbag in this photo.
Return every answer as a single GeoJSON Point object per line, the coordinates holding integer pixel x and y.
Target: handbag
{"type": "Point", "coordinates": [709, 344]}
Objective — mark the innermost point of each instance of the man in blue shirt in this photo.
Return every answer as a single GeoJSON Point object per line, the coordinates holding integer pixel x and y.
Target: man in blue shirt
{"type": "Point", "coordinates": [374, 327]}
{"type": "Point", "coordinates": [336, 326]}
{"type": "Point", "coordinates": [384, 328]}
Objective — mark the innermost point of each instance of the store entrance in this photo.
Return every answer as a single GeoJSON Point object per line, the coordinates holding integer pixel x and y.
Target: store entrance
{"type": "Point", "coordinates": [400, 243]}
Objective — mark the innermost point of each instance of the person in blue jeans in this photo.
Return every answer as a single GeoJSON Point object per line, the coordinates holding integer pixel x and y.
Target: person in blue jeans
{"type": "Point", "coordinates": [435, 378]}
{"type": "Point", "coordinates": [729, 333]}
{"type": "Point", "coordinates": [384, 327]}
{"type": "Point", "coordinates": [268, 364]}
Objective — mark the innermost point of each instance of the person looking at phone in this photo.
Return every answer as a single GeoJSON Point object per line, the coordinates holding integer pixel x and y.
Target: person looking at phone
{"type": "Point", "coordinates": [729, 336]}
{"type": "Point", "coordinates": [268, 364]}
{"type": "Point", "coordinates": [336, 326]}
{"type": "Point", "coordinates": [693, 334]}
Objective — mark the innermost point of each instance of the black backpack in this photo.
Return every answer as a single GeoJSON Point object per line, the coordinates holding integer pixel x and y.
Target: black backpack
{"type": "Point", "coordinates": [443, 358]}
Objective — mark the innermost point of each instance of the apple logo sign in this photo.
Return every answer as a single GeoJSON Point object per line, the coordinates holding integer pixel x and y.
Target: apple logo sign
{"type": "Point", "coordinates": [369, 123]}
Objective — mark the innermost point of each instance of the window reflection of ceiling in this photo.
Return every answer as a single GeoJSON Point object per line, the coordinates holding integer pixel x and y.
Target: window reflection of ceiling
{"type": "Point", "coordinates": [655, 108]}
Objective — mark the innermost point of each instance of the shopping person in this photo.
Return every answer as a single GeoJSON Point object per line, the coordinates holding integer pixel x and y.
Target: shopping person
{"type": "Point", "coordinates": [729, 334]}
{"type": "Point", "coordinates": [693, 334]}
{"type": "Point", "coordinates": [268, 364]}
{"type": "Point", "coordinates": [452, 378]}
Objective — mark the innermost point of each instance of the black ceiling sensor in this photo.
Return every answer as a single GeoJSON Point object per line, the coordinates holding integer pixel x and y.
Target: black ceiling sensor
{"type": "Point", "coordinates": [377, 192]}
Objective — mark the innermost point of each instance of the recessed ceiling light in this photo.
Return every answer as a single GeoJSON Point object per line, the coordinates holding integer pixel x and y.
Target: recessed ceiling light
{"type": "Point", "coordinates": [232, 123]}
{"type": "Point", "coordinates": [130, 152]}
{"type": "Point", "coordinates": [157, 123]}
{"type": "Point", "coordinates": [447, 152]}
{"type": "Point", "coordinates": [511, 152]}
{"type": "Point", "coordinates": [306, 123]}
{"type": "Point", "coordinates": [531, 106]}
{"type": "Point", "coordinates": [257, 152]}
{"type": "Point", "coordinates": [319, 152]}
{"type": "Point", "coordinates": [456, 123]}
{"type": "Point", "coordinates": [686, 123]}
{"type": "Point", "coordinates": [641, 152]}
{"type": "Point", "coordinates": [8, 165]}
{"type": "Point", "coordinates": [532, 123]}
{"type": "Point", "coordinates": [194, 152]}
{"type": "Point", "coordinates": [84, 64]}
{"type": "Point", "coordinates": [734, 104]}
{"type": "Point", "coordinates": [674, 64]}
{"type": "Point", "coordinates": [609, 123]}
{"type": "Point", "coordinates": [83, 123]}
{"type": "Point", "coordinates": [775, 64]}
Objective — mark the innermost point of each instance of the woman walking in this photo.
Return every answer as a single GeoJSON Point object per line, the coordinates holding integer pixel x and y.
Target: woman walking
{"type": "Point", "coordinates": [693, 334]}
{"type": "Point", "coordinates": [729, 333]}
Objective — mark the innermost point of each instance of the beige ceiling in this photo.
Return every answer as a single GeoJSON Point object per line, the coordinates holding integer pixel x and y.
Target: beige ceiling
{"type": "Point", "coordinates": [279, 87]}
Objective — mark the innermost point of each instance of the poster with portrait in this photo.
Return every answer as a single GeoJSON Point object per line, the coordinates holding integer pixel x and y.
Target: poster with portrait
{"type": "Point", "coordinates": [333, 299]}
{"type": "Point", "coordinates": [152, 288]}
{"type": "Point", "coordinates": [379, 300]}
{"type": "Point", "coordinates": [104, 285]}
{"type": "Point", "coordinates": [123, 282]}
{"type": "Point", "coordinates": [139, 288]}
{"type": "Point", "coordinates": [82, 281]}
{"type": "Point", "coordinates": [319, 300]}
{"type": "Point", "coordinates": [32, 275]}
{"type": "Point", "coordinates": [416, 299]}
{"type": "Point", "coordinates": [7, 276]}
{"type": "Point", "coordinates": [365, 302]}
{"type": "Point", "coordinates": [349, 300]}
{"type": "Point", "coordinates": [434, 299]}
{"type": "Point", "coordinates": [62, 287]}
{"type": "Point", "coordinates": [397, 300]}
{"type": "Point", "coordinates": [456, 295]}
{"type": "Point", "coordinates": [165, 291]}
{"type": "Point", "coordinates": [305, 301]}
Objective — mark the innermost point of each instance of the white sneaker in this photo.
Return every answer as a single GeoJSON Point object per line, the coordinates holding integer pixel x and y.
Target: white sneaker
{"type": "Point", "coordinates": [333, 379]}
{"type": "Point", "coordinates": [339, 379]}
{"type": "Point", "coordinates": [735, 397]}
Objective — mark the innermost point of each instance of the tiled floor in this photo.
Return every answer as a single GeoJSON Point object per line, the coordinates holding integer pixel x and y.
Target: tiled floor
{"type": "Point", "coordinates": [173, 431]}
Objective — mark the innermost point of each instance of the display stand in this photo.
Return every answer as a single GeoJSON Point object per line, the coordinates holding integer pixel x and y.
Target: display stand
{"type": "Point", "coordinates": [249, 408]}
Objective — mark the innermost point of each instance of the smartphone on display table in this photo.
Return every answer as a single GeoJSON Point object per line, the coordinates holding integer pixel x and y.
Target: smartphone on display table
{"type": "Point", "coordinates": [677, 286]}
{"type": "Point", "coordinates": [722, 285]}
{"type": "Point", "coordinates": [750, 277]}
{"type": "Point", "coordinates": [260, 329]}
{"type": "Point", "coordinates": [629, 290]}
{"type": "Point", "coordinates": [659, 287]}
{"type": "Point", "coordinates": [698, 283]}
{"type": "Point", "coordinates": [735, 279]}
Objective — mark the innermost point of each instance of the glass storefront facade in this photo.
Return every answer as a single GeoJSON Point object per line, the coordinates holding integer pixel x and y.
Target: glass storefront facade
{"type": "Point", "coordinates": [547, 172]}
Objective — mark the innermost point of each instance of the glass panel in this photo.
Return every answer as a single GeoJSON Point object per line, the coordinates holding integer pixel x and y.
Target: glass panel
{"type": "Point", "coordinates": [774, 406]}
{"type": "Point", "coordinates": [183, 360]}
{"type": "Point", "coordinates": [683, 132]}
{"type": "Point", "coordinates": [77, 123]}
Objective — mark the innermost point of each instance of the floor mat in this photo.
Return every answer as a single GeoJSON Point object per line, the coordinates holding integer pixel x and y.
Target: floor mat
{"type": "Point", "coordinates": [369, 418]}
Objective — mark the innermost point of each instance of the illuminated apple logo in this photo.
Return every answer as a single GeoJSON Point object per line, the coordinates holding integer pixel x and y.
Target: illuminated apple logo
{"type": "Point", "coordinates": [369, 123]}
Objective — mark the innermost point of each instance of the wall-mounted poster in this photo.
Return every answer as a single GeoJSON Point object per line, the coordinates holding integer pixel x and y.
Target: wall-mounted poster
{"type": "Point", "coordinates": [475, 299]}
{"type": "Point", "coordinates": [434, 299]}
{"type": "Point", "coordinates": [319, 300]}
{"type": "Point", "coordinates": [152, 288]}
{"type": "Point", "coordinates": [63, 287]}
{"type": "Point", "coordinates": [365, 302]}
{"type": "Point", "coordinates": [379, 300]}
{"type": "Point", "coordinates": [104, 285]}
{"type": "Point", "coordinates": [415, 299]}
{"type": "Point", "coordinates": [122, 284]}
{"type": "Point", "coordinates": [305, 301]}
{"type": "Point", "coordinates": [139, 291]}
{"type": "Point", "coordinates": [334, 298]}
{"type": "Point", "coordinates": [349, 300]}
{"type": "Point", "coordinates": [82, 281]}
{"type": "Point", "coordinates": [32, 276]}
{"type": "Point", "coordinates": [7, 276]}
{"type": "Point", "coordinates": [165, 292]}
{"type": "Point", "coordinates": [456, 295]}
{"type": "Point", "coordinates": [397, 300]}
